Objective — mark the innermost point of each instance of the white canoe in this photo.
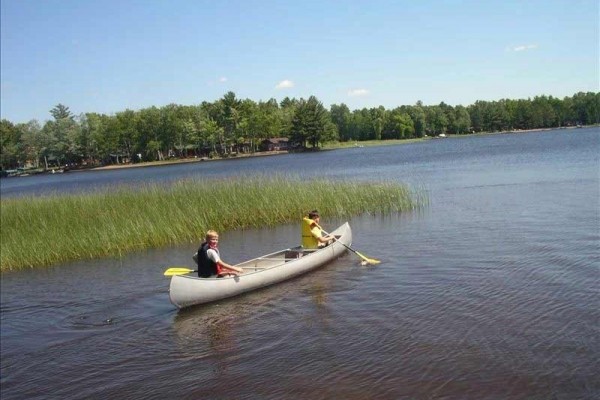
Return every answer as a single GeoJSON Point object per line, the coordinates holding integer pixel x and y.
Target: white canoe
{"type": "Point", "coordinates": [189, 290]}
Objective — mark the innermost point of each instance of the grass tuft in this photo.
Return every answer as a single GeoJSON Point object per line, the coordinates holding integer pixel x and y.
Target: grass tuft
{"type": "Point", "coordinates": [41, 231]}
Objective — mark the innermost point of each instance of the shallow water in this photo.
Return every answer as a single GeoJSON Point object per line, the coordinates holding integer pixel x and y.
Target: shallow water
{"type": "Point", "coordinates": [491, 292]}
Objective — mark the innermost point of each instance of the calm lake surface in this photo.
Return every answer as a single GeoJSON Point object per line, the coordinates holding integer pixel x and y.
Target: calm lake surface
{"type": "Point", "coordinates": [491, 292]}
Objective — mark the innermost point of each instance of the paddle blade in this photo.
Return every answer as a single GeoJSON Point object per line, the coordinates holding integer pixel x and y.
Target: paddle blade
{"type": "Point", "coordinates": [178, 271]}
{"type": "Point", "coordinates": [367, 259]}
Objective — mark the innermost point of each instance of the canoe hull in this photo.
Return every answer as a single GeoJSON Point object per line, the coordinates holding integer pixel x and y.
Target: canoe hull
{"type": "Point", "coordinates": [189, 290]}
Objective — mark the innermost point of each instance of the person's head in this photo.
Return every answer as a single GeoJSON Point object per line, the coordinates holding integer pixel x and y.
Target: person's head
{"type": "Point", "coordinates": [314, 215]}
{"type": "Point", "coordinates": [212, 238]}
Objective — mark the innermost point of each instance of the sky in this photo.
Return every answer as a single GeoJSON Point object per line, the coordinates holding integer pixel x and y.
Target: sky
{"type": "Point", "coordinates": [107, 56]}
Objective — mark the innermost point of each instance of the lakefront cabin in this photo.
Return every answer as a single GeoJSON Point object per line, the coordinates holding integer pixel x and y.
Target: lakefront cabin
{"type": "Point", "coordinates": [274, 144]}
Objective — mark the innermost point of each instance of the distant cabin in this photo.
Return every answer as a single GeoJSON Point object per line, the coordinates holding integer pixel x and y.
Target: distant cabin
{"type": "Point", "coordinates": [274, 144]}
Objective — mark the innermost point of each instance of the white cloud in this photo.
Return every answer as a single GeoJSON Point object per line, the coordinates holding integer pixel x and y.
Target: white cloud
{"type": "Point", "coordinates": [217, 81]}
{"type": "Point", "coordinates": [358, 92]}
{"type": "Point", "coordinates": [524, 47]}
{"type": "Point", "coordinates": [285, 84]}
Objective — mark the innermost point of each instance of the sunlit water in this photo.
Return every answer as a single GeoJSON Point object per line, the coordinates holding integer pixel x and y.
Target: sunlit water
{"type": "Point", "coordinates": [491, 292]}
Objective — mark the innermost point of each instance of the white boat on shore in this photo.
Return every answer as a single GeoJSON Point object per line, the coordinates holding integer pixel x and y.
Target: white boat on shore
{"type": "Point", "coordinates": [188, 290]}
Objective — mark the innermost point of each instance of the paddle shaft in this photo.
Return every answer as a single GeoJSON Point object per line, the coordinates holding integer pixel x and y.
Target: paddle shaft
{"type": "Point", "coordinates": [342, 243]}
{"type": "Point", "coordinates": [366, 259]}
{"type": "Point", "coordinates": [182, 270]}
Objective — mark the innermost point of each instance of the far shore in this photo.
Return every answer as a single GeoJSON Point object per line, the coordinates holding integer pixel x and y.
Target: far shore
{"type": "Point", "coordinates": [328, 146]}
{"type": "Point", "coordinates": [325, 147]}
{"type": "Point", "coordinates": [187, 160]}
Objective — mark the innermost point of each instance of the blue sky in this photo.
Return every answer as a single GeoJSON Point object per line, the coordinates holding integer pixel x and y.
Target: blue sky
{"type": "Point", "coordinates": [110, 55]}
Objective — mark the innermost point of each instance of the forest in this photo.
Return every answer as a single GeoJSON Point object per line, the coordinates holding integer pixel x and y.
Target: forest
{"type": "Point", "coordinates": [230, 126]}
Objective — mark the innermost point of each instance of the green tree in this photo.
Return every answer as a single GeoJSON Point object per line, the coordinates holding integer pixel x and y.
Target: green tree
{"type": "Point", "coordinates": [476, 112]}
{"type": "Point", "coordinates": [149, 129]}
{"type": "Point", "coordinates": [33, 142]}
{"type": "Point", "coordinates": [405, 126]}
{"type": "Point", "coordinates": [213, 133]}
{"type": "Point", "coordinates": [64, 140]}
{"type": "Point", "coordinates": [400, 125]}
{"type": "Point", "coordinates": [586, 108]}
{"type": "Point", "coordinates": [341, 117]}
{"type": "Point", "coordinates": [417, 114]}
{"type": "Point", "coordinates": [263, 122]}
{"type": "Point", "coordinates": [378, 119]}
{"type": "Point", "coordinates": [363, 125]}
{"type": "Point", "coordinates": [126, 130]}
{"type": "Point", "coordinates": [61, 111]}
{"type": "Point", "coordinates": [462, 120]}
{"type": "Point", "coordinates": [560, 110]}
{"type": "Point", "coordinates": [287, 111]}
{"type": "Point", "coordinates": [202, 120]}
{"type": "Point", "coordinates": [436, 119]}
{"type": "Point", "coordinates": [10, 136]}
{"type": "Point", "coordinates": [523, 118]}
{"type": "Point", "coordinates": [496, 117]}
{"type": "Point", "coordinates": [229, 118]}
{"type": "Point", "coordinates": [65, 134]}
{"type": "Point", "coordinates": [187, 135]}
{"type": "Point", "coordinates": [92, 133]}
{"type": "Point", "coordinates": [310, 123]}
{"type": "Point", "coordinates": [544, 115]}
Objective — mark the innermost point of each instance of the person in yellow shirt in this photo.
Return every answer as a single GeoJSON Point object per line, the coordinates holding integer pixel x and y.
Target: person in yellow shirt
{"type": "Point", "coordinates": [312, 235]}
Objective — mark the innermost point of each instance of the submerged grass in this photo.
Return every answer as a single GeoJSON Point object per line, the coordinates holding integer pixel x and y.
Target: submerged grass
{"type": "Point", "coordinates": [44, 231]}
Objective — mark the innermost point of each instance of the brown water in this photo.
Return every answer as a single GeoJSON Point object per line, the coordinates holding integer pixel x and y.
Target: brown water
{"type": "Point", "coordinates": [489, 293]}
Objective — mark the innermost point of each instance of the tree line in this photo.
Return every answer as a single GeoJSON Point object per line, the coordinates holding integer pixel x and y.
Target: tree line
{"type": "Point", "coordinates": [231, 125]}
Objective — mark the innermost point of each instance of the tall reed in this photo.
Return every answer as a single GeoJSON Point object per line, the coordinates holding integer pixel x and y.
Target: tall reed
{"type": "Point", "coordinates": [47, 230]}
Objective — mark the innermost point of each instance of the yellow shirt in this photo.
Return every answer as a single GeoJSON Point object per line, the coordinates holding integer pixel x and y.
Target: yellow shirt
{"type": "Point", "coordinates": [310, 234]}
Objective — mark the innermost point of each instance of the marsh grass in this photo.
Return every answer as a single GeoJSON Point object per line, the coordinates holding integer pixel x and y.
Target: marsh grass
{"type": "Point", "coordinates": [44, 231]}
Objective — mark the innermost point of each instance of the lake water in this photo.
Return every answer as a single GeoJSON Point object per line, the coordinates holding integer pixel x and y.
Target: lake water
{"type": "Point", "coordinates": [491, 292]}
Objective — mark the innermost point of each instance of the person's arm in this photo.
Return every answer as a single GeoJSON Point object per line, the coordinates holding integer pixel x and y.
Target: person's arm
{"type": "Point", "coordinates": [325, 239]}
{"type": "Point", "coordinates": [215, 257]}
{"type": "Point", "coordinates": [223, 264]}
{"type": "Point", "coordinates": [318, 234]}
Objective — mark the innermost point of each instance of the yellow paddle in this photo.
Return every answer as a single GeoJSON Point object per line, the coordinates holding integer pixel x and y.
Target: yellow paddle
{"type": "Point", "coordinates": [178, 271]}
{"type": "Point", "coordinates": [366, 260]}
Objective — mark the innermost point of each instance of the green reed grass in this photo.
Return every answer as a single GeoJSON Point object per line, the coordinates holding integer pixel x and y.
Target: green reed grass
{"type": "Point", "coordinates": [48, 230]}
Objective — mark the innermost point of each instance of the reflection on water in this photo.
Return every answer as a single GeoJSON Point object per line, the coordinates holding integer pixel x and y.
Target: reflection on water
{"type": "Point", "coordinates": [319, 295]}
{"type": "Point", "coordinates": [490, 292]}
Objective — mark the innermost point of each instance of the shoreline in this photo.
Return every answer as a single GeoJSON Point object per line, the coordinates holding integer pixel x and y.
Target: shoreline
{"type": "Point", "coordinates": [326, 147]}
{"type": "Point", "coordinates": [177, 161]}
{"type": "Point", "coordinates": [337, 146]}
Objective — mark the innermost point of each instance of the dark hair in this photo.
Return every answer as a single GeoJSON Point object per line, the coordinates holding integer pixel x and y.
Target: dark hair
{"type": "Point", "coordinates": [313, 214]}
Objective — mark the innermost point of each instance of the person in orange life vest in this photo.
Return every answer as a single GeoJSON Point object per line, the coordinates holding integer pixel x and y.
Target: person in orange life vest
{"type": "Point", "coordinates": [209, 259]}
{"type": "Point", "coordinates": [312, 235]}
